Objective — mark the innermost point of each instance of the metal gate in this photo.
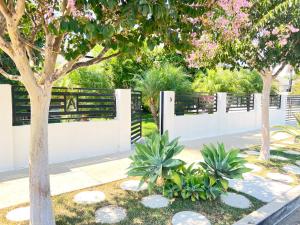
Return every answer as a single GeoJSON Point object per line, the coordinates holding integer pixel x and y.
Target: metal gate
{"type": "Point", "coordinates": [293, 107]}
{"type": "Point", "coordinates": [136, 116]}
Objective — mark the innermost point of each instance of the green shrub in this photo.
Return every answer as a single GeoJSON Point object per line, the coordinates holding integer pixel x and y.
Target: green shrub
{"type": "Point", "coordinates": [192, 183]}
{"type": "Point", "coordinates": [154, 159]}
{"type": "Point", "coordinates": [222, 164]}
{"type": "Point", "coordinates": [154, 162]}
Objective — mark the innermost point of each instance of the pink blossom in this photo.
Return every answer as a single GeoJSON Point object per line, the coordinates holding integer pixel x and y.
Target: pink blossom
{"type": "Point", "coordinates": [292, 28]}
{"type": "Point", "coordinates": [89, 16]}
{"type": "Point", "coordinates": [72, 7]}
{"type": "Point", "coordinates": [270, 44]}
{"type": "Point", "coordinates": [49, 15]}
{"type": "Point", "coordinates": [275, 31]}
{"type": "Point", "coordinates": [282, 42]}
{"type": "Point", "coordinates": [265, 32]}
{"type": "Point", "coordinates": [222, 22]}
{"type": "Point", "coordinates": [193, 20]}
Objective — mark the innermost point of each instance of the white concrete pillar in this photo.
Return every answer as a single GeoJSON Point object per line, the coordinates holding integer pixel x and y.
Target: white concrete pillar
{"type": "Point", "coordinates": [6, 129]}
{"type": "Point", "coordinates": [123, 106]}
{"type": "Point", "coordinates": [257, 110]}
{"type": "Point", "coordinates": [222, 114]}
{"type": "Point", "coordinates": [283, 107]}
{"type": "Point", "coordinates": [167, 112]}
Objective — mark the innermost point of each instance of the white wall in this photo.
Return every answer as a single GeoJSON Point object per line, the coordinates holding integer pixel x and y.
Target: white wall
{"type": "Point", "coordinates": [6, 131]}
{"type": "Point", "coordinates": [67, 141]}
{"type": "Point", "coordinates": [196, 126]}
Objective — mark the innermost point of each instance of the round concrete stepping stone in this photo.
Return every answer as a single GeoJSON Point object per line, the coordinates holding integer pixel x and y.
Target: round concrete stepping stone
{"type": "Point", "coordinates": [277, 157]}
{"type": "Point", "coordinates": [254, 167]}
{"type": "Point", "coordinates": [189, 218]}
{"type": "Point", "coordinates": [280, 177]}
{"type": "Point", "coordinates": [110, 214]}
{"type": "Point", "coordinates": [251, 152]}
{"type": "Point", "coordinates": [133, 185]}
{"type": "Point", "coordinates": [292, 169]}
{"type": "Point", "coordinates": [298, 162]}
{"type": "Point", "coordinates": [236, 200]}
{"type": "Point", "coordinates": [89, 197]}
{"type": "Point", "coordinates": [19, 214]}
{"type": "Point", "coordinates": [155, 201]}
{"type": "Point", "coordinates": [292, 152]}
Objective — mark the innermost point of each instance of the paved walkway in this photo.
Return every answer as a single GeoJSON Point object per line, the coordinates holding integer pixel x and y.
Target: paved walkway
{"type": "Point", "coordinates": [75, 175]}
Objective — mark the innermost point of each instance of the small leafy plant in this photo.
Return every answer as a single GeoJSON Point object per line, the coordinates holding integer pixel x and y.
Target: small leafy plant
{"type": "Point", "coordinates": [154, 160]}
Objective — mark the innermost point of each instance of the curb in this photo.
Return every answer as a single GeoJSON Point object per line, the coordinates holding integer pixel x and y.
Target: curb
{"type": "Point", "coordinates": [275, 211]}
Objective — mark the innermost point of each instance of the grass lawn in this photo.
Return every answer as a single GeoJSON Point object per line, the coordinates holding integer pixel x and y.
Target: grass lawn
{"type": "Point", "coordinates": [275, 165]}
{"type": "Point", "coordinates": [148, 127]}
{"type": "Point", "coordinates": [69, 213]}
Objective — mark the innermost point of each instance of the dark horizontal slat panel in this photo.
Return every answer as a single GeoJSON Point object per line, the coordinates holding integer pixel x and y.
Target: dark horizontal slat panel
{"type": "Point", "coordinates": [67, 105]}
{"type": "Point", "coordinates": [96, 106]}
{"type": "Point", "coordinates": [195, 103]}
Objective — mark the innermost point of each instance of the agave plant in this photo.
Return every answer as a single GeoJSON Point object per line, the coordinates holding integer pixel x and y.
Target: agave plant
{"type": "Point", "coordinates": [222, 164]}
{"type": "Point", "coordinates": [154, 159]}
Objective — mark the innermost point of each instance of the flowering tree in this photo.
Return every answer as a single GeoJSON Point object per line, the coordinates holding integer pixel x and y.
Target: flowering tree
{"type": "Point", "coordinates": [263, 36]}
{"type": "Point", "coordinates": [33, 34]}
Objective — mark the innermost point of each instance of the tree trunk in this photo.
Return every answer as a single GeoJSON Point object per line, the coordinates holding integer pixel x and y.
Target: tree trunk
{"type": "Point", "coordinates": [154, 113]}
{"type": "Point", "coordinates": [41, 212]}
{"type": "Point", "coordinates": [265, 129]}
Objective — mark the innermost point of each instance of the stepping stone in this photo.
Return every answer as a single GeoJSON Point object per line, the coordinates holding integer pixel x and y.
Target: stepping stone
{"type": "Point", "coordinates": [298, 162]}
{"type": "Point", "coordinates": [155, 201]}
{"type": "Point", "coordinates": [242, 155]}
{"type": "Point", "coordinates": [133, 185]}
{"type": "Point", "coordinates": [251, 152]}
{"type": "Point", "coordinates": [259, 187]}
{"type": "Point", "coordinates": [19, 214]}
{"type": "Point", "coordinates": [292, 169]}
{"type": "Point", "coordinates": [110, 214]}
{"type": "Point", "coordinates": [89, 197]}
{"type": "Point", "coordinates": [189, 218]}
{"type": "Point", "coordinates": [292, 152]}
{"type": "Point", "coordinates": [277, 157]}
{"type": "Point", "coordinates": [280, 177]}
{"type": "Point", "coordinates": [236, 200]}
{"type": "Point", "coordinates": [254, 167]}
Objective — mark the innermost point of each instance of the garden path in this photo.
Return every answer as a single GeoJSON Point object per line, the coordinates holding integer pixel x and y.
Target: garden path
{"type": "Point", "coordinates": [75, 175]}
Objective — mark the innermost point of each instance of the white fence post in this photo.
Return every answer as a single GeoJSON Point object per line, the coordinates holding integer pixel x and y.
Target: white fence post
{"type": "Point", "coordinates": [283, 107]}
{"type": "Point", "coordinates": [123, 106]}
{"type": "Point", "coordinates": [221, 113]}
{"type": "Point", "coordinates": [167, 112]}
{"type": "Point", "coordinates": [257, 109]}
{"type": "Point", "coordinates": [6, 128]}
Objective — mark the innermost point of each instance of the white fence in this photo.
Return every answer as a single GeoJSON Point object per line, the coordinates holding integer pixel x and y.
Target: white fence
{"type": "Point", "coordinates": [78, 140]}
{"type": "Point", "coordinates": [204, 125]}
{"type": "Point", "coordinates": [67, 141]}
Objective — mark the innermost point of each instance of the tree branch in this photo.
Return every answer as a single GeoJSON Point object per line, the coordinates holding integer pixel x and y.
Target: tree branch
{"type": "Point", "coordinates": [95, 60]}
{"type": "Point", "coordinates": [6, 47]}
{"type": "Point", "coordinates": [64, 69]}
{"type": "Point", "coordinates": [275, 75]}
{"type": "Point", "coordinates": [74, 64]}
{"type": "Point", "coordinates": [19, 10]}
{"type": "Point", "coordinates": [4, 10]}
{"type": "Point", "coordinates": [9, 76]}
